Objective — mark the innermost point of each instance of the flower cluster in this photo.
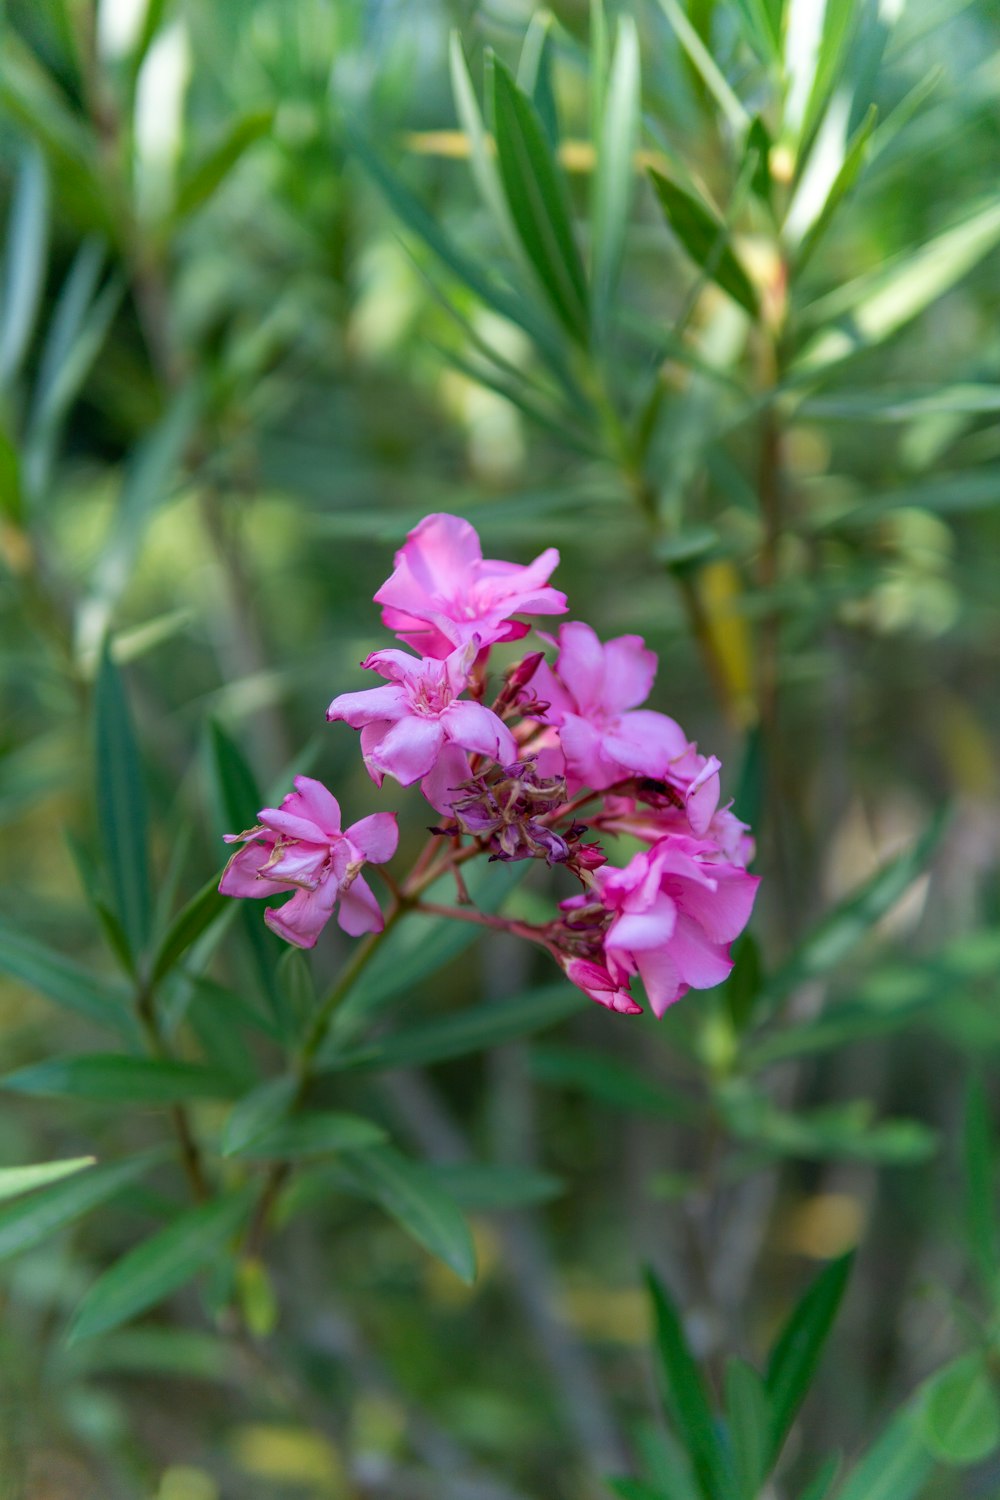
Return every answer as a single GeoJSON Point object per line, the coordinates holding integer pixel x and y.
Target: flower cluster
{"type": "Point", "coordinates": [564, 756]}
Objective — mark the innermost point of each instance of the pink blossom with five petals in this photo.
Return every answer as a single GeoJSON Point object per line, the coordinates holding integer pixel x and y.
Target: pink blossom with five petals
{"type": "Point", "coordinates": [301, 847]}
{"type": "Point", "coordinates": [676, 910]}
{"type": "Point", "coordinates": [593, 696]}
{"type": "Point", "coordinates": [418, 728]}
{"type": "Point", "coordinates": [443, 591]}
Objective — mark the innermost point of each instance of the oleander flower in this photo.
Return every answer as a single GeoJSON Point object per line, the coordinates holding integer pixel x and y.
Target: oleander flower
{"type": "Point", "coordinates": [593, 695]}
{"type": "Point", "coordinates": [595, 981]}
{"type": "Point", "coordinates": [443, 591]}
{"type": "Point", "coordinates": [300, 847]}
{"type": "Point", "coordinates": [418, 728]}
{"type": "Point", "coordinates": [676, 908]}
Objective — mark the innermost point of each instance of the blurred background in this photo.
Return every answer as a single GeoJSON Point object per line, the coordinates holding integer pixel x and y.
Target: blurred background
{"type": "Point", "coordinates": [267, 299]}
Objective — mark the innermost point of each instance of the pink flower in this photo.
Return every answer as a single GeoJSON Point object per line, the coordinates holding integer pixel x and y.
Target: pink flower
{"type": "Point", "coordinates": [596, 982]}
{"type": "Point", "coordinates": [676, 910]}
{"type": "Point", "coordinates": [417, 728]}
{"type": "Point", "coordinates": [300, 847]}
{"type": "Point", "coordinates": [443, 590]}
{"type": "Point", "coordinates": [593, 695]}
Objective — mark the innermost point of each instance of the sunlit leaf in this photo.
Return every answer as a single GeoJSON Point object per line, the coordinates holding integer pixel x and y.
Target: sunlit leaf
{"type": "Point", "coordinates": [17, 1180]}
{"type": "Point", "coordinates": [959, 1412]}
{"type": "Point", "coordinates": [614, 178]}
{"type": "Point", "coordinates": [23, 262]}
{"type": "Point", "coordinates": [195, 190]}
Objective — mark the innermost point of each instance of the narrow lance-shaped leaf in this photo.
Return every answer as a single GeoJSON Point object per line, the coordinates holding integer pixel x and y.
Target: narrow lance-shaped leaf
{"type": "Point", "coordinates": [538, 202]}
{"type": "Point", "coordinates": [257, 1112]}
{"type": "Point", "coordinates": [312, 1134]}
{"type": "Point", "coordinates": [855, 157]}
{"type": "Point", "coordinates": [121, 804]}
{"type": "Point", "coordinates": [160, 1265]}
{"type": "Point", "coordinates": [614, 176]}
{"type": "Point", "coordinates": [187, 927]}
{"type": "Point", "coordinates": [24, 262]}
{"type": "Point", "coordinates": [706, 240]}
{"type": "Point", "coordinates": [116, 1079]}
{"type": "Point", "coordinates": [685, 1396]}
{"type": "Point", "coordinates": [748, 1413]}
{"type": "Point", "coordinates": [796, 1353]}
{"type": "Point", "coordinates": [411, 1196]}
{"type": "Point", "coordinates": [17, 1180]}
{"type": "Point", "coordinates": [61, 980]}
{"type": "Point", "coordinates": [198, 187]}
{"type": "Point", "coordinates": [31, 1220]}
{"type": "Point", "coordinates": [896, 1467]}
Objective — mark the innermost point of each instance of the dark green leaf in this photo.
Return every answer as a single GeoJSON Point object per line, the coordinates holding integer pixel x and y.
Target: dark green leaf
{"type": "Point", "coordinates": [410, 1195]}
{"type": "Point", "coordinates": [706, 240]}
{"type": "Point", "coordinates": [796, 1354]}
{"type": "Point", "coordinates": [117, 1079]}
{"type": "Point", "coordinates": [314, 1134]}
{"type": "Point", "coordinates": [820, 1487]}
{"type": "Point", "coordinates": [748, 1413]}
{"type": "Point", "coordinates": [468, 1031]}
{"type": "Point", "coordinates": [538, 201]}
{"type": "Point", "coordinates": [636, 1489]}
{"type": "Point", "coordinates": [759, 142]}
{"type": "Point", "coordinates": [188, 925]}
{"type": "Point", "coordinates": [17, 1180]}
{"type": "Point", "coordinates": [482, 1186]}
{"type": "Point", "coordinates": [257, 1113]}
{"type": "Point", "coordinates": [59, 979]}
{"type": "Point", "coordinates": [198, 187]}
{"type": "Point", "coordinates": [160, 1265]}
{"type": "Point", "coordinates": [959, 1412]}
{"type": "Point", "coordinates": [121, 804]}
{"type": "Point", "coordinates": [32, 1220]}
{"type": "Point", "coordinates": [686, 1397]}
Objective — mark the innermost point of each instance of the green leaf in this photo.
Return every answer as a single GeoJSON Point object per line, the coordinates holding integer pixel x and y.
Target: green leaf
{"type": "Point", "coordinates": [959, 1413]}
{"type": "Point", "coordinates": [313, 1134]}
{"type": "Point", "coordinates": [117, 1079]}
{"type": "Point", "coordinates": [895, 1468]}
{"type": "Point", "coordinates": [615, 174]}
{"type": "Point", "coordinates": [538, 202]}
{"type": "Point", "coordinates": [480, 1187]}
{"type": "Point", "coordinates": [873, 307]}
{"type": "Point", "coordinates": [473, 1030]}
{"type": "Point", "coordinates": [748, 1412]}
{"type": "Point", "coordinates": [703, 62]}
{"type": "Point", "coordinates": [534, 73]}
{"type": "Point", "coordinates": [636, 1489]}
{"type": "Point", "coordinates": [427, 228]}
{"type": "Point", "coordinates": [59, 979]}
{"type": "Point", "coordinates": [24, 261]}
{"type": "Point", "coordinates": [198, 186]}
{"type": "Point", "coordinates": [608, 1080]}
{"type": "Point", "coordinates": [980, 1182]}
{"type": "Point", "coordinates": [825, 62]}
{"type": "Point", "coordinates": [848, 1131]}
{"type": "Point", "coordinates": [844, 928]}
{"type": "Point", "coordinates": [820, 1487]}
{"type": "Point", "coordinates": [160, 1265]}
{"type": "Point", "coordinates": [482, 156]}
{"type": "Point", "coordinates": [685, 1396]}
{"type": "Point", "coordinates": [187, 927]}
{"type": "Point", "coordinates": [16, 1180]}
{"type": "Point", "coordinates": [121, 804]}
{"type": "Point", "coordinates": [34, 1219]}
{"type": "Point", "coordinates": [413, 1199]}
{"type": "Point", "coordinates": [796, 1354]}
{"type": "Point", "coordinates": [706, 240]}
{"type": "Point", "coordinates": [257, 1113]}
{"type": "Point", "coordinates": [855, 157]}
{"type": "Point", "coordinates": [758, 28]}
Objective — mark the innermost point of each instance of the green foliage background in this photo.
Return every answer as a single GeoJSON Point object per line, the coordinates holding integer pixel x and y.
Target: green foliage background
{"type": "Point", "coordinates": [707, 298]}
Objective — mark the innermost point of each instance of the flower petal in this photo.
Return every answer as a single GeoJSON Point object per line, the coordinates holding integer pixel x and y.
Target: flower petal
{"type": "Point", "coordinates": [359, 911]}
{"type": "Point", "coordinates": [375, 837]}
{"type": "Point", "coordinates": [663, 983]}
{"type": "Point", "coordinates": [629, 670]}
{"type": "Point", "coordinates": [241, 876]}
{"type": "Point", "coordinates": [301, 920]}
{"type": "Point", "coordinates": [312, 800]}
{"type": "Point", "coordinates": [446, 775]}
{"type": "Point", "coordinates": [370, 706]}
{"type": "Point", "coordinates": [700, 963]}
{"type": "Point", "coordinates": [474, 727]}
{"type": "Point", "coordinates": [409, 749]}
